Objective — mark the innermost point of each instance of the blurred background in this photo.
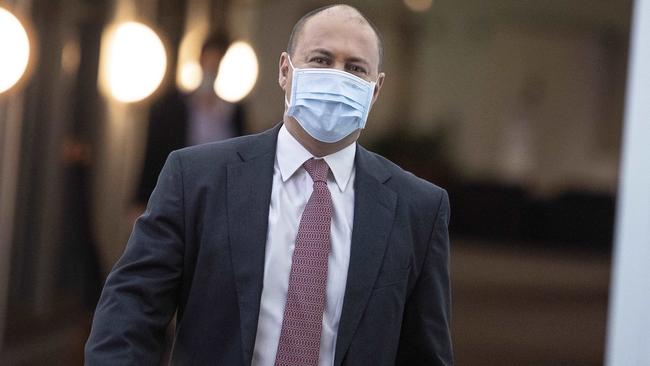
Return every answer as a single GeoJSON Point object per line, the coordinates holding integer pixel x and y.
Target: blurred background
{"type": "Point", "coordinates": [515, 107]}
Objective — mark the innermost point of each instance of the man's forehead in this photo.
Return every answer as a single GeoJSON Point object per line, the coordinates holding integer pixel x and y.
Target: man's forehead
{"type": "Point", "coordinates": [336, 14]}
{"type": "Point", "coordinates": [337, 17]}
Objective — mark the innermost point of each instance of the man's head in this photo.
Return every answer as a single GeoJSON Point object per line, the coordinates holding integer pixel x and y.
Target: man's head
{"type": "Point", "coordinates": [337, 37]}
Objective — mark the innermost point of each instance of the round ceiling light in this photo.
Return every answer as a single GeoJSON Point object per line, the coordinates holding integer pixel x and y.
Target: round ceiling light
{"type": "Point", "coordinates": [134, 62]}
{"type": "Point", "coordinates": [238, 72]}
{"type": "Point", "coordinates": [14, 48]}
{"type": "Point", "coordinates": [418, 5]}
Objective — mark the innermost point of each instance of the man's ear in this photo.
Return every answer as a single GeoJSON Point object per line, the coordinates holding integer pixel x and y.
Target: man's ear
{"type": "Point", "coordinates": [283, 70]}
{"type": "Point", "coordinates": [378, 85]}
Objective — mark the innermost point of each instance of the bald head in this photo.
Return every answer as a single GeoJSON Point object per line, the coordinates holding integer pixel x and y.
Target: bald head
{"type": "Point", "coordinates": [338, 10]}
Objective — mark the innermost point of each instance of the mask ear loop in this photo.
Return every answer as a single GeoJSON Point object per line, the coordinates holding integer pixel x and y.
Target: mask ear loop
{"type": "Point", "coordinates": [290, 63]}
{"type": "Point", "coordinates": [286, 101]}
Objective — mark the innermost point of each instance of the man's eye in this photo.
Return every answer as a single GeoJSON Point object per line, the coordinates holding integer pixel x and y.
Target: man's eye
{"type": "Point", "coordinates": [319, 60]}
{"type": "Point", "coordinates": [356, 69]}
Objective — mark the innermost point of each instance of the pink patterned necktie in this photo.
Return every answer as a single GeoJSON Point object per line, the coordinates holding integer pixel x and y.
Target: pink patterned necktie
{"type": "Point", "coordinates": [299, 343]}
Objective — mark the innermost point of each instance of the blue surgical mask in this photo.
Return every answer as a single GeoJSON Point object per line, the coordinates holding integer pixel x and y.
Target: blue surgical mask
{"type": "Point", "coordinates": [329, 104]}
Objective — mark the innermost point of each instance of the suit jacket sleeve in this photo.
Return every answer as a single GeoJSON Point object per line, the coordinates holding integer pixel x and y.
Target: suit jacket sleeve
{"type": "Point", "coordinates": [425, 338]}
{"type": "Point", "coordinates": [141, 292]}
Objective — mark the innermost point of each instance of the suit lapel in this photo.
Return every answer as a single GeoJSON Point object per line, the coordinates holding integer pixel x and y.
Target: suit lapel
{"type": "Point", "coordinates": [249, 193]}
{"type": "Point", "coordinates": [374, 211]}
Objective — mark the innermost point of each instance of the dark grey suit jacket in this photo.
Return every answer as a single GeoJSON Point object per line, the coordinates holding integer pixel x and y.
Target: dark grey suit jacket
{"type": "Point", "coordinates": [199, 250]}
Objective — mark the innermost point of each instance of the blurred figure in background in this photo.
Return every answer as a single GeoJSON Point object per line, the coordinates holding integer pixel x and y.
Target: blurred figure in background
{"type": "Point", "coordinates": [178, 120]}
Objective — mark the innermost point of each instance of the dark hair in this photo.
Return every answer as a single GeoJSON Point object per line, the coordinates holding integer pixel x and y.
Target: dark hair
{"type": "Point", "coordinates": [297, 29]}
{"type": "Point", "coordinates": [218, 41]}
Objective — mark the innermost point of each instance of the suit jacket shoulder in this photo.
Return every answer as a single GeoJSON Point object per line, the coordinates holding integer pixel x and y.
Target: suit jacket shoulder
{"type": "Point", "coordinates": [206, 157]}
{"type": "Point", "coordinates": [416, 191]}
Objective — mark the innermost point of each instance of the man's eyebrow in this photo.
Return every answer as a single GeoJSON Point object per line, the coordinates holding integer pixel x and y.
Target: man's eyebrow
{"type": "Point", "coordinates": [357, 60]}
{"type": "Point", "coordinates": [328, 53]}
{"type": "Point", "coordinates": [323, 52]}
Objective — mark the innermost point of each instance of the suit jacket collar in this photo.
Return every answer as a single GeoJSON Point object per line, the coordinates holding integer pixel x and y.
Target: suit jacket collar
{"type": "Point", "coordinates": [263, 144]}
{"type": "Point", "coordinates": [249, 185]}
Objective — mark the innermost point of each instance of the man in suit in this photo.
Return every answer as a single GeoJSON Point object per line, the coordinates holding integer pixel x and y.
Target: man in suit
{"type": "Point", "coordinates": [295, 246]}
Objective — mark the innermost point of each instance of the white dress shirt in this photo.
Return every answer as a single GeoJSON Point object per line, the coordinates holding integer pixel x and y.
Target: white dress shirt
{"type": "Point", "coordinates": [292, 187]}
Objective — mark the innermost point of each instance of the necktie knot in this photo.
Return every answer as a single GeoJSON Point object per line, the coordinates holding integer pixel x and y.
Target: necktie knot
{"type": "Point", "coordinates": [317, 169]}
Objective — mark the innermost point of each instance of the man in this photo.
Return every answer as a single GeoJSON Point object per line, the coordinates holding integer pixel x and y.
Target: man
{"type": "Point", "coordinates": [178, 120]}
{"type": "Point", "coordinates": [292, 247]}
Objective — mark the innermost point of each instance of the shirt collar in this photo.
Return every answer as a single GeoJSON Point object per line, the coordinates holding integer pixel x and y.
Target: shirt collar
{"type": "Point", "coordinates": [290, 155]}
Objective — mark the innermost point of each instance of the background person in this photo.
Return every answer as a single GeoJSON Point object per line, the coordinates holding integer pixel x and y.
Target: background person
{"type": "Point", "coordinates": [178, 120]}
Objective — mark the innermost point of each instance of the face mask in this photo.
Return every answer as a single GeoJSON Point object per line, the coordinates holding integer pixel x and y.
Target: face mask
{"type": "Point", "coordinates": [329, 104]}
